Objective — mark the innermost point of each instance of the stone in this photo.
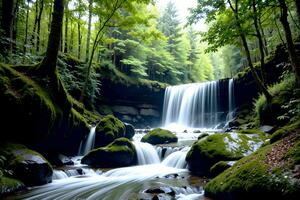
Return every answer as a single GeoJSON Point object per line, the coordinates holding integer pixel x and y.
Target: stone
{"type": "Point", "coordinates": [27, 165]}
{"type": "Point", "coordinates": [108, 129]}
{"type": "Point", "coordinates": [126, 110]}
{"type": "Point", "coordinates": [129, 130]}
{"type": "Point", "coordinates": [267, 129]}
{"type": "Point", "coordinates": [149, 112]}
{"type": "Point", "coordinates": [159, 136]}
{"type": "Point", "coordinates": [119, 153]}
{"type": "Point", "coordinates": [208, 151]}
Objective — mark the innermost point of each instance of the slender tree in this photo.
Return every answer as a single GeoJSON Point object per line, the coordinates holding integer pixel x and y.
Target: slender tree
{"type": "Point", "coordinates": [66, 27]}
{"type": "Point", "coordinates": [35, 23]}
{"type": "Point", "coordinates": [260, 39]}
{"type": "Point", "coordinates": [8, 8]}
{"type": "Point", "coordinates": [26, 27]}
{"type": "Point", "coordinates": [48, 65]}
{"type": "Point", "coordinates": [289, 40]}
{"type": "Point", "coordinates": [88, 38]}
{"type": "Point", "coordinates": [297, 2]}
{"type": "Point", "coordinates": [41, 8]}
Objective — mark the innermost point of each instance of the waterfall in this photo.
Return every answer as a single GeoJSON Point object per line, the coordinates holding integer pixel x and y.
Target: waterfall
{"type": "Point", "coordinates": [231, 103]}
{"type": "Point", "coordinates": [89, 143]}
{"type": "Point", "coordinates": [146, 153]}
{"type": "Point", "coordinates": [191, 105]}
{"type": "Point", "coordinates": [198, 105]}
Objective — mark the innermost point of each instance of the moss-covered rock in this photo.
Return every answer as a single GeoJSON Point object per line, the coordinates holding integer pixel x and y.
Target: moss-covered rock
{"type": "Point", "coordinates": [159, 136]}
{"type": "Point", "coordinates": [129, 130]}
{"type": "Point", "coordinates": [9, 185]}
{"type": "Point", "coordinates": [108, 129]}
{"type": "Point", "coordinates": [219, 167]}
{"type": "Point", "coordinates": [42, 113]}
{"type": "Point", "coordinates": [27, 165]}
{"type": "Point", "coordinates": [221, 147]}
{"type": "Point", "coordinates": [119, 153]}
{"type": "Point", "coordinates": [266, 173]}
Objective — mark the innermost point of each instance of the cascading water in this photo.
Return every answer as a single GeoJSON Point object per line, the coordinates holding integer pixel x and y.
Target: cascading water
{"type": "Point", "coordinates": [191, 105]}
{"type": "Point", "coordinates": [196, 105]}
{"type": "Point", "coordinates": [231, 103]}
{"type": "Point", "coordinates": [89, 143]}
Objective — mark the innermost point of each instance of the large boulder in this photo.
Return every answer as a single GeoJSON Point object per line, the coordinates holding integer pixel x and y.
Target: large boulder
{"type": "Point", "coordinates": [272, 172]}
{"type": "Point", "coordinates": [26, 165]}
{"type": "Point", "coordinates": [109, 129]}
{"type": "Point", "coordinates": [221, 147]}
{"type": "Point", "coordinates": [129, 130]}
{"type": "Point", "coordinates": [119, 153]}
{"type": "Point", "coordinates": [159, 136]}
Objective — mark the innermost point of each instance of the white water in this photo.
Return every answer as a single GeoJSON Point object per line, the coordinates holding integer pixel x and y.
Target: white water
{"type": "Point", "coordinates": [196, 105]}
{"type": "Point", "coordinates": [146, 153]}
{"type": "Point", "coordinates": [231, 103]}
{"type": "Point", "coordinates": [89, 143]}
{"type": "Point", "coordinates": [114, 184]}
{"type": "Point", "coordinates": [191, 105]}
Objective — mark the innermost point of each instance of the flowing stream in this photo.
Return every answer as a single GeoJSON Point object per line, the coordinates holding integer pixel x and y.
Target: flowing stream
{"type": "Point", "coordinates": [193, 106]}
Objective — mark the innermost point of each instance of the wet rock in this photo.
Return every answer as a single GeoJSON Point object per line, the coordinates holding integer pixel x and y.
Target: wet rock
{"type": "Point", "coordinates": [59, 160]}
{"type": "Point", "coordinates": [217, 147]}
{"type": "Point", "coordinates": [196, 131]}
{"type": "Point", "coordinates": [161, 190]}
{"type": "Point", "coordinates": [129, 130]}
{"type": "Point", "coordinates": [203, 135]}
{"type": "Point", "coordinates": [219, 167]}
{"type": "Point", "coordinates": [159, 136]}
{"type": "Point", "coordinates": [267, 129]}
{"type": "Point", "coordinates": [27, 165]}
{"type": "Point", "coordinates": [108, 129]}
{"type": "Point", "coordinates": [119, 153]}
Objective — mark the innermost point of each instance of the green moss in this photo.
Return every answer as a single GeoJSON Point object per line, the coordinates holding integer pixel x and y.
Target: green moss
{"type": "Point", "coordinates": [120, 152]}
{"type": "Point", "coordinates": [250, 178]}
{"type": "Point", "coordinates": [221, 147]}
{"type": "Point", "coordinates": [21, 88]}
{"type": "Point", "coordinates": [250, 131]}
{"type": "Point", "coordinates": [293, 155]}
{"type": "Point", "coordinates": [119, 77]}
{"type": "Point", "coordinates": [218, 168]}
{"type": "Point", "coordinates": [108, 129]}
{"type": "Point", "coordinates": [284, 131]}
{"type": "Point", "coordinates": [274, 112]}
{"type": "Point", "coordinates": [9, 185]}
{"type": "Point", "coordinates": [159, 136]}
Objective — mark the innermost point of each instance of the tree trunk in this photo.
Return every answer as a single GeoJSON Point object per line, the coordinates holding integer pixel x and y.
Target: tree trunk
{"type": "Point", "coordinates": [48, 65]}
{"type": "Point", "coordinates": [289, 40]}
{"type": "Point", "coordinates": [26, 28]}
{"type": "Point", "coordinates": [50, 17]}
{"type": "Point", "coordinates": [39, 26]}
{"type": "Point", "coordinates": [15, 28]}
{"type": "Point", "coordinates": [260, 41]}
{"type": "Point", "coordinates": [79, 36]}
{"type": "Point", "coordinates": [72, 38]}
{"type": "Point", "coordinates": [297, 2]}
{"type": "Point", "coordinates": [7, 23]}
{"type": "Point", "coordinates": [66, 28]}
{"type": "Point", "coordinates": [87, 52]}
{"type": "Point", "coordinates": [263, 36]}
{"type": "Point", "coordinates": [35, 23]}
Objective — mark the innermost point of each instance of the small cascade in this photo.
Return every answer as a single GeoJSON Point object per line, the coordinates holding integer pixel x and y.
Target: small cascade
{"type": "Point", "coordinates": [191, 105]}
{"type": "Point", "coordinates": [84, 148]}
{"type": "Point", "coordinates": [62, 174]}
{"type": "Point", "coordinates": [59, 174]}
{"type": "Point", "coordinates": [231, 103]}
{"type": "Point", "coordinates": [176, 159]}
{"type": "Point", "coordinates": [146, 153]}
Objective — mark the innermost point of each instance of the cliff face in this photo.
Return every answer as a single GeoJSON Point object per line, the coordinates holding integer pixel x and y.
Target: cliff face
{"type": "Point", "coordinates": [138, 104]}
